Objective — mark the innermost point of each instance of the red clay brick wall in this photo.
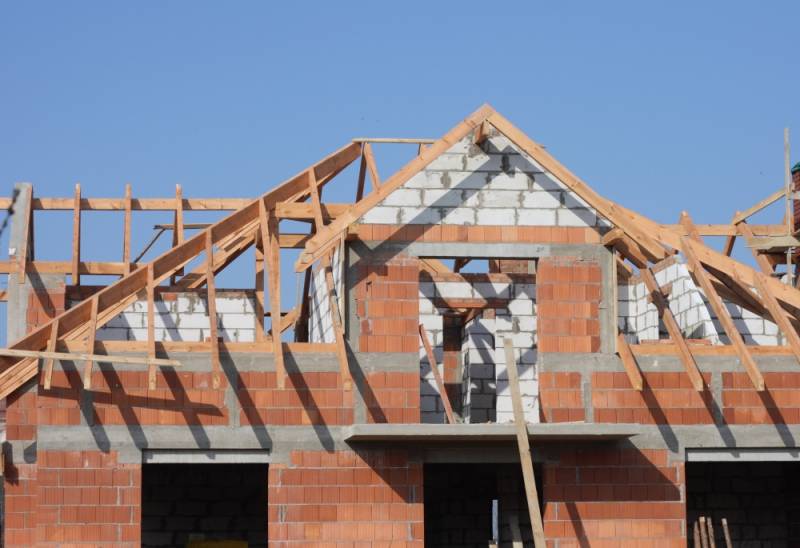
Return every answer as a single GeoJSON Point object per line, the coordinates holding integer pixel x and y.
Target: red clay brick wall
{"type": "Point", "coordinates": [470, 233]}
{"type": "Point", "coordinates": [620, 498]}
{"type": "Point", "coordinates": [667, 398]}
{"type": "Point", "coordinates": [392, 397]}
{"type": "Point", "coordinates": [371, 498]}
{"type": "Point", "coordinates": [44, 305]}
{"type": "Point", "coordinates": [87, 497]}
{"type": "Point", "coordinates": [561, 397]}
{"type": "Point", "coordinates": [568, 304]}
{"type": "Point", "coordinates": [20, 484]}
{"type": "Point", "coordinates": [387, 304]}
{"type": "Point", "coordinates": [778, 404]}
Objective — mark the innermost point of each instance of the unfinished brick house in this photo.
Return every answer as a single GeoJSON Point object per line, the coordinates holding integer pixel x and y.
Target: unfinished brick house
{"type": "Point", "coordinates": [655, 379]}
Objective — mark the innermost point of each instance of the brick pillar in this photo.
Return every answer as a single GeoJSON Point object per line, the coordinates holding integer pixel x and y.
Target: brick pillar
{"type": "Point", "coordinates": [345, 498]}
{"type": "Point", "coordinates": [387, 303]}
{"type": "Point", "coordinates": [568, 304]}
{"type": "Point", "coordinates": [614, 497]}
{"type": "Point", "coordinates": [44, 304]}
{"type": "Point", "coordinates": [20, 478]}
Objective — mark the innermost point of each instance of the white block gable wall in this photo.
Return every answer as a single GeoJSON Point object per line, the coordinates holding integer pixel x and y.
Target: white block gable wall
{"type": "Point", "coordinates": [492, 184]}
{"type": "Point", "coordinates": [185, 318]}
{"type": "Point", "coordinates": [638, 319]}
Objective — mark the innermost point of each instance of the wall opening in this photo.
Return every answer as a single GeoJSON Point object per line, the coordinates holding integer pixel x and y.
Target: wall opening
{"type": "Point", "coordinates": [760, 501]}
{"type": "Point", "coordinates": [474, 505]}
{"type": "Point", "coordinates": [182, 503]}
{"type": "Point", "coordinates": [466, 315]}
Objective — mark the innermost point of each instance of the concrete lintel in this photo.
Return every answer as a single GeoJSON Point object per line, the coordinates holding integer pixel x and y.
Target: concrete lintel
{"type": "Point", "coordinates": [486, 433]}
{"type": "Point", "coordinates": [743, 455]}
{"type": "Point", "coordinates": [166, 456]}
{"type": "Point", "coordinates": [572, 362]}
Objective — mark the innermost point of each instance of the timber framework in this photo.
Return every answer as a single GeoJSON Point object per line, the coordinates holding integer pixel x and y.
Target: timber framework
{"type": "Point", "coordinates": [482, 351]}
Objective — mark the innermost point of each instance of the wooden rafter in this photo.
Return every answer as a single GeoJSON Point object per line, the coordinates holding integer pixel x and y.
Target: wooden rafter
{"type": "Point", "coordinates": [673, 328]}
{"type": "Point", "coordinates": [120, 294]}
{"type": "Point", "coordinates": [51, 347]}
{"type": "Point", "coordinates": [151, 327]}
{"type": "Point", "coordinates": [328, 236]}
{"type": "Point", "coordinates": [724, 317]}
{"type": "Point", "coordinates": [778, 315]}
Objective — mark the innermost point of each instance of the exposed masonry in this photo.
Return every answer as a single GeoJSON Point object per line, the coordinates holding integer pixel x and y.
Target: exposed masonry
{"type": "Point", "coordinates": [639, 320]}
{"type": "Point", "coordinates": [184, 317]}
{"type": "Point", "coordinates": [320, 325]}
{"type": "Point", "coordinates": [485, 392]}
{"type": "Point", "coordinates": [494, 184]}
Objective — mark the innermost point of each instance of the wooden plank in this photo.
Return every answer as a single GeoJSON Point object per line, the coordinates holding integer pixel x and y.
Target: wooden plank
{"type": "Point", "coordinates": [305, 211]}
{"type": "Point", "coordinates": [338, 328]}
{"type": "Point", "coordinates": [126, 235]}
{"type": "Point", "coordinates": [469, 303]}
{"type": "Point", "coordinates": [51, 347]}
{"type": "Point", "coordinates": [151, 327]}
{"type": "Point", "coordinates": [259, 287]}
{"type": "Point", "coordinates": [328, 237]}
{"type": "Point", "coordinates": [211, 305]}
{"type": "Point", "coordinates": [76, 236]}
{"type": "Point", "coordinates": [269, 230]}
{"type": "Point", "coordinates": [516, 534]}
{"type": "Point", "coordinates": [773, 242]}
{"type": "Point", "coordinates": [726, 533]}
{"type": "Point", "coordinates": [787, 181]}
{"type": "Point", "coordinates": [523, 444]}
{"type": "Point", "coordinates": [703, 532]}
{"type": "Point", "coordinates": [26, 236]}
{"type": "Point", "coordinates": [395, 140]}
{"type": "Point", "coordinates": [750, 211]}
{"type": "Point", "coordinates": [629, 363]}
{"type": "Point", "coordinates": [673, 328]}
{"type": "Point", "coordinates": [437, 376]}
{"type": "Point", "coordinates": [87, 367]}
{"type": "Point", "coordinates": [701, 277]}
{"type": "Point", "coordinates": [727, 229]}
{"type": "Point", "coordinates": [372, 168]}
{"type": "Point", "coordinates": [711, 540]}
{"type": "Point", "coordinates": [83, 356]}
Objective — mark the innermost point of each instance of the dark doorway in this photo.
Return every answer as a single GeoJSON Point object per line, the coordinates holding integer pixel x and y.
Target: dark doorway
{"type": "Point", "coordinates": [184, 502]}
{"type": "Point", "coordinates": [759, 500]}
{"type": "Point", "coordinates": [470, 505]}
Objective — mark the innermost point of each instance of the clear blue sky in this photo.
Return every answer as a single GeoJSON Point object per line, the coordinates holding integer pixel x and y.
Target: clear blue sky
{"type": "Point", "coordinates": [660, 106]}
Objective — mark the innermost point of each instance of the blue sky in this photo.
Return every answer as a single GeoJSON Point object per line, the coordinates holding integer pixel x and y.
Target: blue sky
{"type": "Point", "coordinates": [660, 106]}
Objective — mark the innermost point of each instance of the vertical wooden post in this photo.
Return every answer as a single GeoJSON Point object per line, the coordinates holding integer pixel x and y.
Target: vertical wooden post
{"type": "Point", "coordinates": [272, 253]}
{"type": "Point", "coordinates": [437, 376]}
{"type": "Point", "coordinates": [524, 447]}
{"type": "Point", "coordinates": [211, 303]}
{"type": "Point", "coordinates": [151, 327]}
{"type": "Point", "coordinates": [90, 338]}
{"type": "Point", "coordinates": [126, 234]}
{"type": "Point", "coordinates": [258, 303]}
{"type": "Point", "coordinates": [76, 236]}
{"type": "Point", "coordinates": [177, 227]}
{"type": "Point", "coordinates": [27, 234]}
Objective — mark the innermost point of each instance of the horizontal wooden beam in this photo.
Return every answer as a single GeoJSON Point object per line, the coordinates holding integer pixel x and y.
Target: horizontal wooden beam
{"type": "Point", "coordinates": [400, 140]}
{"type": "Point", "coordinates": [137, 204]}
{"type": "Point", "coordinates": [305, 211]}
{"type": "Point", "coordinates": [72, 356]}
{"type": "Point", "coordinates": [728, 229]}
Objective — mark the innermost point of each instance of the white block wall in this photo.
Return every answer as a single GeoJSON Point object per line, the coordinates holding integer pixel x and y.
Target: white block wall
{"type": "Point", "coordinates": [185, 319]}
{"type": "Point", "coordinates": [638, 319]}
{"type": "Point", "coordinates": [495, 184]}
{"type": "Point", "coordinates": [320, 325]}
{"type": "Point", "coordinates": [485, 395]}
